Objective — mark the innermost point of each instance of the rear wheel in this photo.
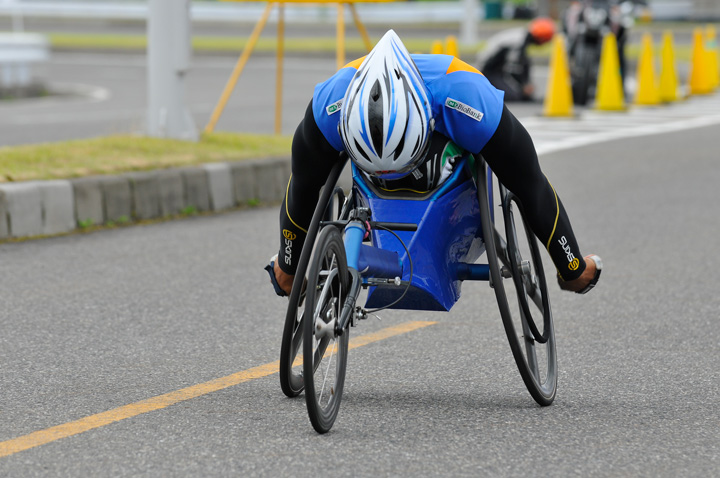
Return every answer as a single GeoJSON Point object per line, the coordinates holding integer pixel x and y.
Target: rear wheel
{"type": "Point", "coordinates": [325, 352]}
{"type": "Point", "coordinates": [523, 299]}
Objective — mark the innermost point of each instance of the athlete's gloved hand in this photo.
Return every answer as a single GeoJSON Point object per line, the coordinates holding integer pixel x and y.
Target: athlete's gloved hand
{"type": "Point", "coordinates": [270, 268]}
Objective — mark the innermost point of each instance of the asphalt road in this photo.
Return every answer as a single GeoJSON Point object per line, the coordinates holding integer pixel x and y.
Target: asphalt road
{"type": "Point", "coordinates": [101, 94]}
{"type": "Point", "coordinates": [102, 322]}
{"type": "Point", "coordinates": [96, 322]}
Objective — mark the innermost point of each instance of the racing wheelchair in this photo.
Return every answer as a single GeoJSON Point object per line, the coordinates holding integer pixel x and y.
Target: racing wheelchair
{"type": "Point", "coordinates": [411, 251]}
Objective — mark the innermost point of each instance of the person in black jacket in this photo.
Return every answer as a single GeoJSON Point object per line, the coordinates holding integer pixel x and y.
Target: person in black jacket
{"type": "Point", "coordinates": [504, 60]}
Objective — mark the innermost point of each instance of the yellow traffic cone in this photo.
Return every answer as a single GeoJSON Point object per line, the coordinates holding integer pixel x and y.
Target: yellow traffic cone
{"type": "Point", "coordinates": [558, 94]}
{"type": "Point", "coordinates": [668, 73]}
{"type": "Point", "coordinates": [451, 46]}
{"type": "Point", "coordinates": [610, 95]}
{"type": "Point", "coordinates": [436, 48]}
{"type": "Point", "coordinates": [712, 49]}
{"type": "Point", "coordinates": [700, 76]}
{"type": "Point", "coordinates": [647, 89]}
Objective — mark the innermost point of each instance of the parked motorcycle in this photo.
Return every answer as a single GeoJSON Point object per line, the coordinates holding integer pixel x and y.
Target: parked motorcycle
{"type": "Point", "coordinates": [585, 24]}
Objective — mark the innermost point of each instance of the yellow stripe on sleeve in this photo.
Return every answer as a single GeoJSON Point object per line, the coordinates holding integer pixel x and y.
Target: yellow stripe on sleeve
{"type": "Point", "coordinates": [557, 216]}
{"type": "Point", "coordinates": [287, 212]}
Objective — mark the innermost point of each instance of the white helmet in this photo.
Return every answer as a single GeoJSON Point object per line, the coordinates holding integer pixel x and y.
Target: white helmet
{"type": "Point", "coordinates": [386, 119]}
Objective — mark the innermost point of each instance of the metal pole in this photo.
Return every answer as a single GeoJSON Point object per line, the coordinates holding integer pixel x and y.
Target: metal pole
{"type": "Point", "coordinates": [279, 68]}
{"type": "Point", "coordinates": [360, 27]}
{"type": "Point", "coordinates": [168, 61]}
{"type": "Point", "coordinates": [239, 66]}
{"type": "Point", "coordinates": [340, 53]}
{"type": "Point", "coordinates": [468, 25]}
{"type": "Point", "coordinates": [17, 16]}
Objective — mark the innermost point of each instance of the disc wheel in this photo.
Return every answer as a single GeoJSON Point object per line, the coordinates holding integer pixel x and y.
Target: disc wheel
{"type": "Point", "coordinates": [518, 279]}
{"type": "Point", "coordinates": [325, 352]}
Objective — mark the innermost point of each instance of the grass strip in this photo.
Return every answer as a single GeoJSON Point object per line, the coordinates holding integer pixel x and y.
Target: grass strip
{"type": "Point", "coordinates": [310, 45]}
{"type": "Point", "coordinates": [124, 153]}
{"type": "Point", "coordinates": [221, 43]}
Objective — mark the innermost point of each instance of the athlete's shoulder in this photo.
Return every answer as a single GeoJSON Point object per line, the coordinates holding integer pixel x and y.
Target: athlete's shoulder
{"type": "Point", "coordinates": [327, 102]}
{"type": "Point", "coordinates": [467, 108]}
{"type": "Point", "coordinates": [434, 66]}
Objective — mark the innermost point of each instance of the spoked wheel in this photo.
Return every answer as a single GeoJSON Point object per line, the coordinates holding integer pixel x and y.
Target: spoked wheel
{"type": "Point", "coordinates": [324, 352]}
{"type": "Point", "coordinates": [291, 375]}
{"type": "Point", "coordinates": [291, 378]}
{"type": "Point", "coordinates": [528, 324]}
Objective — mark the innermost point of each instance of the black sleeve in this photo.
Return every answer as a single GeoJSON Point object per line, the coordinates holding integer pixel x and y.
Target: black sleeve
{"type": "Point", "coordinates": [312, 161]}
{"type": "Point", "coordinates": [511, 155]}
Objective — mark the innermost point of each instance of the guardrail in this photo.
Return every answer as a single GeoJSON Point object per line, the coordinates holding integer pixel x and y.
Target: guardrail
{"type": "Point", "coordinates": [395, 12]}
{"type": "Point", "coordinates": [18, 51]}
{"type": "Point", "coordinates": [250, 12]}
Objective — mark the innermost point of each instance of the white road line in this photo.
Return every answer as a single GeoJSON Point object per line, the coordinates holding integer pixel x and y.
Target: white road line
{"type": "Point", "coordinates": [554, 134]}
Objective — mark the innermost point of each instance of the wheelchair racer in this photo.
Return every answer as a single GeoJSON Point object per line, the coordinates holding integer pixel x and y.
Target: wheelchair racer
{"type": "Point", "coordinates": [505, 63]}
{"type": "Point", "coordinates": [403, 119]}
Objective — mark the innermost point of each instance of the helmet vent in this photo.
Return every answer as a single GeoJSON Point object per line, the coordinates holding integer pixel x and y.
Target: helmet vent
{"type": "Point", "coordinates": [375, 91]}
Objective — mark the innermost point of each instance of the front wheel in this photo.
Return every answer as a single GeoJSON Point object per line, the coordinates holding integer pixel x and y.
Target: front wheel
{"type": "Point", "coordinates": [324, 351]}
{"type": "Point", "coordinates": [528, 325]}
{"type": "Point", "coordinates": [291, 377]}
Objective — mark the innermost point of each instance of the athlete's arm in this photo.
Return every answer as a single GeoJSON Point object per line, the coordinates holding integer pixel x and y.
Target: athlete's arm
{"type": "Point", "coordinates": [312, 160]}
{"type": "Point", "coordinates": [511, 155]}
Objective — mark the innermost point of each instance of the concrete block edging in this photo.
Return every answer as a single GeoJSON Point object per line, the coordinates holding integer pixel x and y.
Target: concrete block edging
{"type": "Point", "coordinates": [36, 208]}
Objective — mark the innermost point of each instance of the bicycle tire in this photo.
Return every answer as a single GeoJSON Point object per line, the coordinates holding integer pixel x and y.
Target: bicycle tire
{"type": "Point", "coordinates": [324, 351]}
{"type": "Point", "coordinates": [505, 256]}
{"type": "Point", "coordinates": [291, 375]}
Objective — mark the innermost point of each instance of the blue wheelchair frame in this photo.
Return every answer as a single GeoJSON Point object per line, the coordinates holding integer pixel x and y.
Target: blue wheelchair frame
{"type": "Point", "coordinates": [443, 249]}
{"type": "Point", "coordinates": [411, 251]}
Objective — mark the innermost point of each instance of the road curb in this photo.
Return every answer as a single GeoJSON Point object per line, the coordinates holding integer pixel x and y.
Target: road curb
{"type": "Point", "coordinates": [36, 208]}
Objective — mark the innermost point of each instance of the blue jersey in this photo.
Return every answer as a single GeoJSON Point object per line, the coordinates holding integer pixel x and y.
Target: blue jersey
{"type": "Point", "coordinates": [465, 106]}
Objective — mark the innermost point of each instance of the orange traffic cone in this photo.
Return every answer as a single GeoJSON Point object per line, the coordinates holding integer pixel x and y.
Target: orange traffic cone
{"type": "Point", "coordinates": [700, 76]}
{"type": "Point", "coordinates": [436, 48]}
{"type": "Point", "coordinates": [610, 95]}
{"type": "Point", "coordinates": [668, 73]}
{"type": "Point", "coordinates": [451, 46]}
{"type": "Point", "coordinates": [558, 95]}
{"type": "Point", "coordinates": [647, 91]}
{"type": "Point", "coordinates": [712, 50]}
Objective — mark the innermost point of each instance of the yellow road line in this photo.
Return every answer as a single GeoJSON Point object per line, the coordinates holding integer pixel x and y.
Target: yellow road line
{"type": "Point", "coordinates": [42, 437]}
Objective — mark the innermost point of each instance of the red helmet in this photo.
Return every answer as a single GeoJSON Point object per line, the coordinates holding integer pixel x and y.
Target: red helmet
{"type": "Point", "coordinates": [542, 30]}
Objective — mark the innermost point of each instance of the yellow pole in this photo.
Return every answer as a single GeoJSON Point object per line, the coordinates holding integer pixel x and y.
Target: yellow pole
{"type": "Point", "coordinates": [279, 68]}
{"type": "Point", "coordinates": [239, 66]}
{"type": "Point", "coordinates": [340, 55]}
{"type": "Point", "coordinates": [360, 27]}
